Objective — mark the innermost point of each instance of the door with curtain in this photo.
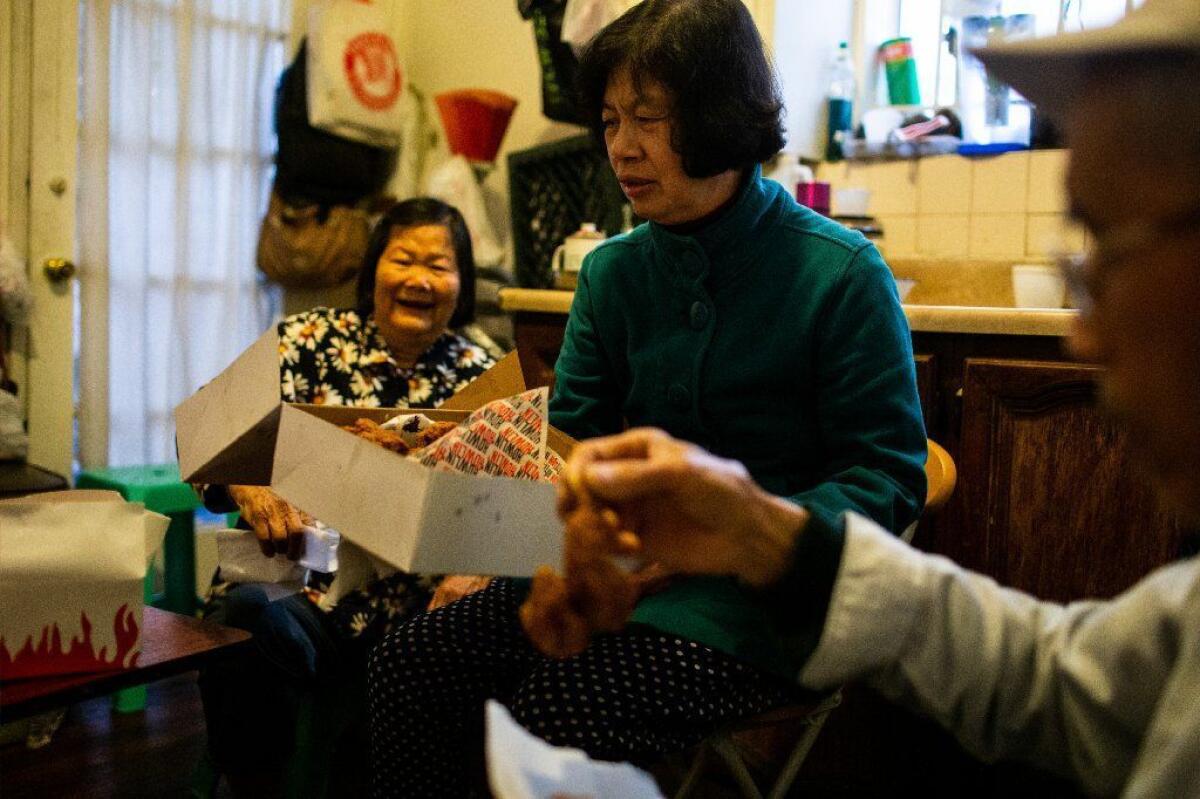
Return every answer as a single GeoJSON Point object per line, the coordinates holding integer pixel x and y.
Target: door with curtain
{"type": "Point", "coordinates": [175, 149]}
{"type": "Point", "coordinates": [134, 169]}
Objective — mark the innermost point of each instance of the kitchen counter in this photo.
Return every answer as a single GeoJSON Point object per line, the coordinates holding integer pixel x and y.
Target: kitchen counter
{"type": "Point", "coordinates": [991, 320]}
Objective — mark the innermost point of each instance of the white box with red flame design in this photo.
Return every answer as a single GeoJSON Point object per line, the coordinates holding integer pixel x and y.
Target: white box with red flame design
{"type": "Point", "coordinates": [72, 564]}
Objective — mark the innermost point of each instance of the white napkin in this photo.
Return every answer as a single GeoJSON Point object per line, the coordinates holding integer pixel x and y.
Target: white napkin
{"type": "Point", "coordinates": [241, 561]}
{"type": "Point", "coordinates": [522, 766]}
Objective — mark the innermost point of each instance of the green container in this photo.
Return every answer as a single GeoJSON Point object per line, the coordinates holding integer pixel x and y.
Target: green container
{"type": "Point", "coordinates": [160, 490]}
{"type": "Point", "coordinates": [901, 69]}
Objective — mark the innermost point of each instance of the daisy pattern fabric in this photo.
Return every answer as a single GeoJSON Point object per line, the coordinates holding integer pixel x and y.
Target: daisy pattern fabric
{"type": "Point", "coordinates": [331, 356]}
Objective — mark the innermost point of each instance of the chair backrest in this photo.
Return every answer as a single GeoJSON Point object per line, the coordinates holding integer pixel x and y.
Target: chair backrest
{"type": "Point", "coordinates": [940, 477]}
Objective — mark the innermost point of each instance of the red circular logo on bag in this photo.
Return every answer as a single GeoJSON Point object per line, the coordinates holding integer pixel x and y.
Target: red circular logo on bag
{"type": "Point", "coordinates": [373, 70]}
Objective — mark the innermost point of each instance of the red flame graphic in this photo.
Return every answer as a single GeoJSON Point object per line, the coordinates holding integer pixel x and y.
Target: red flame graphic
{"type": "Point", "coordinates": [49, 657]}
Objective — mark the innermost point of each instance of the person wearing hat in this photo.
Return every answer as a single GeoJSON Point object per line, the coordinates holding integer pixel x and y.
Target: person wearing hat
{"type": "Point", "coordinates": [1102, 691]}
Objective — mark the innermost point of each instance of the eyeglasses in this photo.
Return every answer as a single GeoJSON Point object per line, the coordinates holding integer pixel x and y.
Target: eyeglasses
{"type": "Point", "coordinates": [1087, 273]}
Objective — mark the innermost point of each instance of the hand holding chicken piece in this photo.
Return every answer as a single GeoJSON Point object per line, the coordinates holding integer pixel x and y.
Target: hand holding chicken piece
{"type": "Point", "coordinates": [595, 595]}
{"type": "Point", "coordinates": [683, 509]}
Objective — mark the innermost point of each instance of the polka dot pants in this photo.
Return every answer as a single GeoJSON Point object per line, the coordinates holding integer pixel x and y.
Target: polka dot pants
{"type": "Point", "coordinates": [630, 696]}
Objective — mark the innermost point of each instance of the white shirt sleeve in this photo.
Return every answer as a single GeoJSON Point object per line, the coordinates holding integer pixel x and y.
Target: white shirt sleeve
{"type": "Point", "coordinates": [1108, 692]}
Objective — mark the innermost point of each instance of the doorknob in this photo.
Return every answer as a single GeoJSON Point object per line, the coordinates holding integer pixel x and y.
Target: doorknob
{"type": "Point", "coordinates": [58, 270]}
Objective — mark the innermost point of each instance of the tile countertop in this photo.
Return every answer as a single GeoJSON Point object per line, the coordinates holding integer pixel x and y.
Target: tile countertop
{"type": "Point", "coordinates": [921, 318]}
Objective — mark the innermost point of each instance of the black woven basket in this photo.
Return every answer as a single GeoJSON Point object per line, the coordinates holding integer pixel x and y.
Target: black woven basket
{"type": "Point", "coordinates": [552, 190]}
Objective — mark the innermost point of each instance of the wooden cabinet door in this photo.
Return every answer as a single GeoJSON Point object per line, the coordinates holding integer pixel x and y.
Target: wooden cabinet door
{"type": "Point", "coordinates": [926, 388]}
{"type": "Point", "coordinates": [1048, 501]}
{"type": "Point", "coordinates": [539, 337]}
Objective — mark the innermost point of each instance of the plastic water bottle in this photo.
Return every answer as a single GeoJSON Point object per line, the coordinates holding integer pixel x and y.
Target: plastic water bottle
{"type": "Point", "coordinates": [841, 103]}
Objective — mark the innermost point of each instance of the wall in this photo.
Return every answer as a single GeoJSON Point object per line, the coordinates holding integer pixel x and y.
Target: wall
{"type": "Point", "coordinates": [1005, 207]}
{"type": "Point", "coordinates": [481, 44]}
{"type": "Point", "coordinates": [806, 34]}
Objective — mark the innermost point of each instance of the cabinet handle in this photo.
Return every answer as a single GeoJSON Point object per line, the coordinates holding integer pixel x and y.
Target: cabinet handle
{"type": "Point", "coordinates": [956, 411]}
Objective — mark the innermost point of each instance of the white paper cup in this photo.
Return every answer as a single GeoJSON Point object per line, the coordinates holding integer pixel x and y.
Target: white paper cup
{"type": "Point", "coordinates": [851, 201]}
{"type": "Point", "coordinates": [1038, 286]}
{"type": "Point", "coordinates": [904, 285]}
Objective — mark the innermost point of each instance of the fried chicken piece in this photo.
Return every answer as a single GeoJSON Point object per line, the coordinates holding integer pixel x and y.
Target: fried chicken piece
{"type": "Point", "coordinates": [433, 433]}
{"type": "Point", "coordinates": [388, 439]}
{"type": "Point", "coordinates": [560, 615]}
{"type": "Point", "coordinates": [549, 618]}
{"type": "Point", "coordinates": [392, 439]}
{"type": "Point", "coordinates": [602, 591]}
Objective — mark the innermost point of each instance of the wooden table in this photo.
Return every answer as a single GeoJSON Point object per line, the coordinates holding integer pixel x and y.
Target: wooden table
{"type": "Point", "coordinates": [18, 478]}
{"type": "Point", "coordinates": [171, 644]}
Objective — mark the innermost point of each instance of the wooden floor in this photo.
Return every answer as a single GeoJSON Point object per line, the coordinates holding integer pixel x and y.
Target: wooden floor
{"type": "Point", "coordinates": [100, 753]}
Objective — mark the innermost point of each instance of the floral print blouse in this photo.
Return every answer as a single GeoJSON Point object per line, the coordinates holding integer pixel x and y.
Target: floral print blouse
{"type": "Point", "coordinates": [334, 356]}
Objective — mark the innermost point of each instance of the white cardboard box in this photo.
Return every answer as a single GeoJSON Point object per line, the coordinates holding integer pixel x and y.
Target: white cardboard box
{"type": "Point", "coordinates": [71, 570]}
{"type": "Point", "coordinates": [235, 430]}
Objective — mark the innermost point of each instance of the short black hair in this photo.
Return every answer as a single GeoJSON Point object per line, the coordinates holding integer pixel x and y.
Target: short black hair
{"type": "Point", "coordinates": [412, 213]}
{"type": "Point", "coordinates": [727, 112]}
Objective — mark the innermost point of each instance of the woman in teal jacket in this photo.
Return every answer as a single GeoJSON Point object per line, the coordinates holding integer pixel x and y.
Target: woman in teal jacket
{"type": "Point", "coordinates": [735, 319]}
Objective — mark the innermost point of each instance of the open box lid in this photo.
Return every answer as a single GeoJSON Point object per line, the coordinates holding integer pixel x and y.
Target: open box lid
{"type": "Point", "coordinates": [226, 432]}
{"type": "Point", "coordinates": [155, 523]}
{"type": "Point", "coordinates": [68, 495]}
{"type": "Point", "coordinates": [414, 517]}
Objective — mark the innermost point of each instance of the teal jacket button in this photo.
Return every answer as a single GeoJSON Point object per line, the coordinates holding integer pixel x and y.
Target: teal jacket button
{"type": "Point", "coordinates": [698, 315]}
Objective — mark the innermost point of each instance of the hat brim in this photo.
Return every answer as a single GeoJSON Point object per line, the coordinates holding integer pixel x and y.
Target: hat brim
{"type": "Point", "coordinates": [1048, 71]}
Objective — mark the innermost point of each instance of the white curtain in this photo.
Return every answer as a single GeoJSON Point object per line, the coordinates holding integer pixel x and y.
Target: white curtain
{"type": "Point", "coordinates": [176, 142]}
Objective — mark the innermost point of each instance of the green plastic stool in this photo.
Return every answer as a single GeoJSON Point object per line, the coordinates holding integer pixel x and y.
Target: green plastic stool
{"type": "Point", "coordinates": [160, 490]}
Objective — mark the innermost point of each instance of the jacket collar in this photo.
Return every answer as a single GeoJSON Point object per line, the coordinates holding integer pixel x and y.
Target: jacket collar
{"type": "Point", "coordinates": [725, 243]}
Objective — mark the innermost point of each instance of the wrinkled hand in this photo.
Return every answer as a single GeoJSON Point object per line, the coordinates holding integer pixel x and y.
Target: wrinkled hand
{"type": "Point", "coordinates": [278, 526]}
{"type": "Point", "coordinates": [675, 504]}
{"type": "Point", "coordinates": [456, 586]}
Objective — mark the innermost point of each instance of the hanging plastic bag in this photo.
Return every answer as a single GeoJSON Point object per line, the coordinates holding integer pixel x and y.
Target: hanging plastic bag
{"type": "Point", "coordinates": [454, 182]}
{"type": "Point", "coordinates": [16, 299]}
{"type": "Point", "coordinates": [313, 165]}
{"type": "Point", "coordinates": [405, 180]}
{"type": "Point", "coordinates": [16, 303]}
{"type": "Point", "coordinates": [355, 78]}
{"type": "Point", "coordinates": [583, 19]}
